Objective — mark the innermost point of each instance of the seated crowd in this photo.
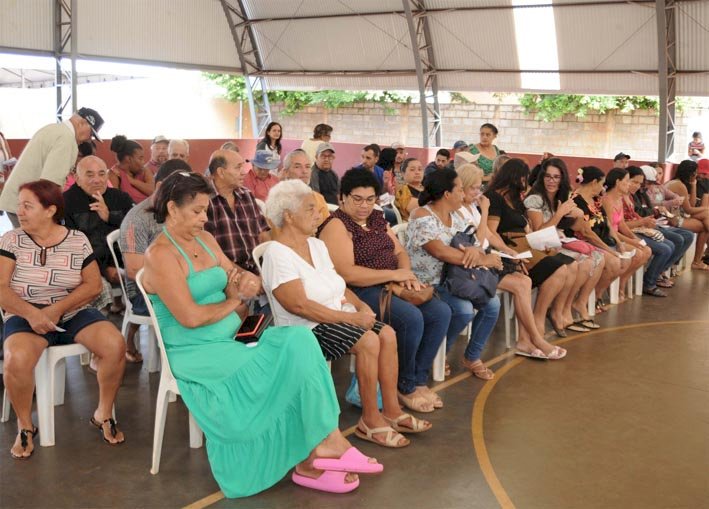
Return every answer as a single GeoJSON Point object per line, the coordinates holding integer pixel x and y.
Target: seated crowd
{"type": "Point", "coordinates": [335, 276]}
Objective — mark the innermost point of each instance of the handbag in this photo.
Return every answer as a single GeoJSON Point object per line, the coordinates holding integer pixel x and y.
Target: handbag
{"type": "Point", "coordinates": [477, 284]}
{"type": "Point", "coordinates": [415, 297]}
{"type": "Point", "coordinates": [651, 233]}
{"type": "Point", "coordinates": [580, 246]}
{"type": "Point", "coordinates": [518, 241]}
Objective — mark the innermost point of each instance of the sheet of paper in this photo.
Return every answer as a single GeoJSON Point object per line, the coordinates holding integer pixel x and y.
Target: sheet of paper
{"type": "Point", "coordinates": [59, 329]}
{"type": "Point", "coordinates": [627, 254]}
{"type": "Point", "coordinates": [520, 256]}
{"type": "Point", "coordinates": [566, 240]}
{"type": "Point", "coordinates": [546, 238]}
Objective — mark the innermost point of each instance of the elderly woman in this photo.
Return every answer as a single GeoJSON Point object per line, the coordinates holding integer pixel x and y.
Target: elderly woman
{"type": "Point", "coordinates": [307, 290]}
{"type": "Point", "coordinates": [549, 204]}
{"type": "Point", "coordinates": [263, 409]}
{"type": "Point", "coordinates": [487, 149]}
{"type": "Point", "coordinates": [507, 218]}
{"type": "Point", "coordinates": [367, 254]}
{"type": "Point", "coordinates": [684, 185]}
{"type": "Point", "coordinates": [48, 276]}
{"type": "Point", "coordinates": [617, 187]}
{"type": "Point", "coordinates": [412, 170]}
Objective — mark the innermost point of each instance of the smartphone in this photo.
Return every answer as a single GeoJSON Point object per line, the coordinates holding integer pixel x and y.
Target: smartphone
{"type": "Point", "coordinates": [249, 328]}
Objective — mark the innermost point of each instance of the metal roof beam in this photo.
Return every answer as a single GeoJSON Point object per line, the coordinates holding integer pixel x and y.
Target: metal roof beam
{"type": "Point", "coordinates": [412, 72]}
{"type": "Point", "coordinates": [667, 76]}
{"type": "Point", "coordinates": [245, 43]}
{"type": "Point", "coordinates": [422, 49]}
{"type": "Point", "coordinates": [65, 32]}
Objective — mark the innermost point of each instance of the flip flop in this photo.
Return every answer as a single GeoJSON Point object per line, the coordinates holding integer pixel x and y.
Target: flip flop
{"type": "Point", "coordinates": [534, 354]}
{"type": "Point", "coordinates": [557, 354]}
{"type": "Point", "coordinates": [589, 324]}
{"type": "Point", "coordinates": [24, 434]}
{"type": "Point", "coordinates": [578, 327]}
{"type": "Point", "coordinates": [330, 482]}
{"type": "Point", "coordinates": [352, 461]}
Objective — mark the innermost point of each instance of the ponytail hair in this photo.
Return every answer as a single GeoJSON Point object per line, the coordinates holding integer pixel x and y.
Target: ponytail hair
{"type": "Point", "coordinates": [123, 147]}
{"type": "Point", "coordinates": [436, 184]}
{"type": "Point", "coordinates": [589, 174]}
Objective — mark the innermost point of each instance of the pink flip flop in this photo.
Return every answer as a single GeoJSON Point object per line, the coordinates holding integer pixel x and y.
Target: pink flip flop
{"type": "Point", "coordinates": [352, 461]}
{"type": "Point", "coordinates": [331, 482]}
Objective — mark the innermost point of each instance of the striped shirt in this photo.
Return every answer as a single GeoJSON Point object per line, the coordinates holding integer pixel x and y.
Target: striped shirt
{"type": "Point", "coordinates": [237, 230]}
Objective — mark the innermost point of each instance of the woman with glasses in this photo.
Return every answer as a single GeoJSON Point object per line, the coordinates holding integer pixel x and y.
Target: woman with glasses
{"type": "Point", "coordinates": [367, 254]}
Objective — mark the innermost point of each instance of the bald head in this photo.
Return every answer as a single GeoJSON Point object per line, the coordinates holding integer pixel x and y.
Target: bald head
{"type": "Point", "coordinates": [92, 175]}
{"type": "Point", "coordinates": [227, 169]}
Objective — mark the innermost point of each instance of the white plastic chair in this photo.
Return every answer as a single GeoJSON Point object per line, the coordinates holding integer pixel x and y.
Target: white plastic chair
{"type": "Point", "coordinates": [168, 385]}
{"type": "Point", "coordinates": [399, 219]}
{"type": "Point", "coordinates": [5, 412]}
{"type": "Point", "coordinates": [332, 208]}
{"type": "Point", "coordinates": [129, 316]}
{"type": "Point", "coordinates": [261, 205]}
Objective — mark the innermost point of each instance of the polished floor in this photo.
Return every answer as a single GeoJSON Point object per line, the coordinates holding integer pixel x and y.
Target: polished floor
{"type": "Point", "coordinates": [620, 423]}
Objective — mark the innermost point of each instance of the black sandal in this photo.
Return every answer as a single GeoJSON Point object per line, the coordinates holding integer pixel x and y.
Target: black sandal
{"type": "Point", "coordinates": [113, 430]}
{"type": "Point", "coordinates": [24, 433]}
{"type": "Point", "coordinates": [654, 292]}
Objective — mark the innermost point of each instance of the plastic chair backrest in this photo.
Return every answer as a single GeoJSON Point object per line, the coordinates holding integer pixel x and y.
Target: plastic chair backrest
{"type": "Point", "coordinates": [261, 205]}
{"type": "Point", "coordinates": [158, 334]}
{"type": "Point", "coordinates": [258, 253]}
{"type": "Point", "coordinates": [332, 207]}
{"type": "Point", "coordinates": [111, 239]}
{"type": "Point", "coordinates": [397, 213]}
{"type": "Point", "coordinates": [400, 232]}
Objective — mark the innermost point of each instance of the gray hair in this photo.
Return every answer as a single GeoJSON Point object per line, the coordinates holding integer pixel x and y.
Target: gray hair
{"type": "Point", "coordinates": [289, 157]}
{"type": "Point", "coordinates": [499, 161]}
{"type": "Point", "coordinates": [177, 141]}
{"type": "Point", "coordinates": [285, 196]}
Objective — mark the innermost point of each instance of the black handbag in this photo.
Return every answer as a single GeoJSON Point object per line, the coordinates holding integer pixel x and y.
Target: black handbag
{"type": "Point", "coordinates": [477, 285]}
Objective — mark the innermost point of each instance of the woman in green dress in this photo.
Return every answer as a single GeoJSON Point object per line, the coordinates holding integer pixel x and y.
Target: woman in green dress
{"type": "Point", "coordinates": [264, 409]}
{"type": "Point", "coordinates": [487, 149]}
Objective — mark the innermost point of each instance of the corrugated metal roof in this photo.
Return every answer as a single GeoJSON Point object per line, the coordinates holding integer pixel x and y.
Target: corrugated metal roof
{"type": "Point", "coordinates": [606, 47]}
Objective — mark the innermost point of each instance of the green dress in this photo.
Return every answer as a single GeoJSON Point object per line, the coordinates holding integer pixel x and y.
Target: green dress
{"type": "Point", "coordinates": [483, 162]}
{"type": "Point", "coordinates": [264, 408]}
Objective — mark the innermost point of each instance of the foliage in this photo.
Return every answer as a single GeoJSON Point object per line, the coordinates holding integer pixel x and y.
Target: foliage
{"type": "Point", "coordinates": [550, 107]}
{"type": "Point", "coordinates": [235, 90]}
{"type": "Point", "coordinates": [457, 97]}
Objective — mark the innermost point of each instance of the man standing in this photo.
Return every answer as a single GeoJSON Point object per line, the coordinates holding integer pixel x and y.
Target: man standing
{"type": "Point", "coordinates": [323, 178]}
{"type": "Point", "coordinates": [621, 161]}
{"type": "Point", "coordinates": [158, 154]}
{"type": "Point", "coordinates": [260, 180]}
{"type": "Point", "coordinates": [234, 218]}
{"type": "Point", "coordinates": [296, 165]}
{"type": "Point", "coordinates": [442, 157]}
{"type": "Point", "coordinates": [370, 156]}
{"type": "Point", "coordinates": [96, 210]}
{"type": "Point", "coordinates": [178, 149]}
{"type": "Point", "coordinates": [138, 230]}
{"type": "Point", "coordinates": [50, 155]}
{"type": "Point", "coordinates": [321, 134]}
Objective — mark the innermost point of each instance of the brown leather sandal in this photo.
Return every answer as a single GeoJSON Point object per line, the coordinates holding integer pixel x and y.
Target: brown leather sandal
{"type": "Point", "coordinates": [478, 369]}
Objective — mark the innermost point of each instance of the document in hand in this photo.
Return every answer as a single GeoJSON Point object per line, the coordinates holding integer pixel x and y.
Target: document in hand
{"type": "Point", "coordinates": [627, 255]}
{"type": "Point", "coordinates": [520, 256]}
{"type": "Point", "coordinates": [546, 238]}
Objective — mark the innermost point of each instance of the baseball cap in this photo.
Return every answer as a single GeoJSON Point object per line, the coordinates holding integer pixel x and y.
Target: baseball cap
{"type": "Point", "coordinates": [398, 145]}
{"type": "Point", "coordinates": [459, 144]}
{"type": "Point", "coordinates": [703, 167]}
{"type": "Point", "coordinates": [621, 155]}
{"type": "Point", "coordinates": [160, 139]}
{"type": "Point", "coordinates": [265, 159]}
{"type": "Point", "coordinates": [93, 118]}
{"type": "Point", "coordinates": [461, 158]}
{"type": "Point", "coordinates": [323, 147]}
{"type": "Point", "coordinates": [650, 173]}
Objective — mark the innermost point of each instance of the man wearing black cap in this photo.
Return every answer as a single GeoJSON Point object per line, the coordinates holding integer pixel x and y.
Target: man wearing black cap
{"type": "Point", "coordinates": [50, 155]}
{"type": "Point", "coordinates": [621, 161]}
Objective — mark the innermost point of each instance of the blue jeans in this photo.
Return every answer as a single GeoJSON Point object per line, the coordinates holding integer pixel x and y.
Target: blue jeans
{"type": "Point", "coordinates": [681, 238]}
{"type": "Point", "coordinates": [661, 256]}
{"type": "Point", "coordinates": [463, 312]}
{"type": "Point", "coordinates": [419, 332]}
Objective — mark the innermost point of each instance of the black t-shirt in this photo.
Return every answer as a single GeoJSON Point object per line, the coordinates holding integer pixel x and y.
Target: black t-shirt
{"type": "Point", "coordinates": [78, 216]}
{"type": "Point", "coordinates": [326, 183]}
{"type": "Point", "coordinates": [702, 189]}
{"type": "Point", "coordinates": [511, 220]}
{"type": "Point", "coordinates": [596, 217]}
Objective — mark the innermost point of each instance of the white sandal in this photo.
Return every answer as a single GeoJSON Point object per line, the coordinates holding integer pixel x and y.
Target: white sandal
{"type": "Point", "coordinates": [417, 425]}
{"type": "Point", "coordinates": [392, 439]}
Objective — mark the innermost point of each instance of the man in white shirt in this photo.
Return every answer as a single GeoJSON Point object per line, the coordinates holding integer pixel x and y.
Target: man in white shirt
{"type": "Point", "coordinates": [50, 155]}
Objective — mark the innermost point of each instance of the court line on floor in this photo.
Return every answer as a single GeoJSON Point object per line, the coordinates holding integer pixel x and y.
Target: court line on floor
{"type": "Point", "coordinates": [477, 419]}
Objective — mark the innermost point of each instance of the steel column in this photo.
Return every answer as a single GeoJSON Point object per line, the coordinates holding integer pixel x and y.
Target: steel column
{"type": "Point", "coordinates": [64, 34]}
{"type": "Point", "coordinates": [667, 76]}
{"type": "Point", "coordinates": [251, 65]}
{"type": "Point", "coordinates": [426, 75]}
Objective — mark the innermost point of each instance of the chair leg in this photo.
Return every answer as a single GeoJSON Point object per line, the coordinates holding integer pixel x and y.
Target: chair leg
{"type": "Point", "coordinates": [85, 358]}
{"type": "Point", "coordinates": [614, 290]}
{"type": "Point", "coordinates": [592, 303]}
{"type": "Point", "coordinates": [353, 364]}
{"type": "Point", "coordinates": [44, 387]}
{"type": "Point", "coordinates": [153, 351]}
{"type": "Point", "coordinates": [439, 363]}
{"type": "Point", "coordinates": [195, 433]}
{"type": "Point", "coordinates": [159, 430]}
{"type": "Point", "coordinates": [639, 280]}
{"type": "Point", "coordinates": [59, 381]}
{"type": "Point", "coordinates": [5, 415]}
{"type": "Point", "coordinates": [508, 314]}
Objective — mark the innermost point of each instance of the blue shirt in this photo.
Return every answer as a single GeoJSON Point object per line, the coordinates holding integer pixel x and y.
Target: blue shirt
{"type": "Point", "coordinates": [379, 173]}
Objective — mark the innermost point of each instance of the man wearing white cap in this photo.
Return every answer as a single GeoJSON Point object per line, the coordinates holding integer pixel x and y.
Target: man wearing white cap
{"type": "Point", "coordinates": [50, 155]}
{"type": "Point", "coordinates": [323, 178]}
{"type": "Point", "coordinates": [158, 154]}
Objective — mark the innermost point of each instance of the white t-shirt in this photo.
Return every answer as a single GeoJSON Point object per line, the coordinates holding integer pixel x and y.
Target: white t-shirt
{"type": "Point", "coordinates": [472, 216]}
{"type": "Point", "coordinates": [321, 283]}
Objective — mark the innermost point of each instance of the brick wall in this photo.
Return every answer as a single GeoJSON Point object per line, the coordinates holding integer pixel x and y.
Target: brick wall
{"type": "Point", "coordinates": [595, 135]}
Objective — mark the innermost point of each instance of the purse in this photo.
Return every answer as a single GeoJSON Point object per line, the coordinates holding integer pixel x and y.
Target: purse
{"type": "Point", "coordinates": [651, 233]}
{"type": "Point", "coordinates": [477, 284]}
{"type": "Point", "coordinates": [518, 241]}
{"type": "Point", "coordinates": [415, 297]}
{"type": "Point", "coordinates": [579, 246]}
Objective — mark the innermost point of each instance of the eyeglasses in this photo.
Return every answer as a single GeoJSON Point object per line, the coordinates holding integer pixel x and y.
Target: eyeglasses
{"type": "Point", "coordinates": [359, 200]}
{"type": "Point", "coordinates": [555, 178]}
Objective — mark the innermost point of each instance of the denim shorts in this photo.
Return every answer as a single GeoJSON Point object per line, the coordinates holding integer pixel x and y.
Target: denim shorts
{"type": "Point", "coordinates": [73, 326]}
{"type": "Point", "coordinates": [138, 305]}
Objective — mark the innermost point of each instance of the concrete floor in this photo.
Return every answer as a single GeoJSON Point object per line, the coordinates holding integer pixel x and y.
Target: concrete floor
{"type": "Point", "coordinates": [620, 423]}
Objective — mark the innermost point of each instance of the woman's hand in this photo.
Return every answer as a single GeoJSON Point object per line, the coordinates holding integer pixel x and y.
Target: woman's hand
{"type": "Point", "coordinates": [492, 261]}
{"type": "Point", "coordinates": [363, 319]}
{"type": "Point", "coordinates": [249, 285]}
{"type": "Point", "coordinates": [402, 275]}
{"type": "Point", "coordinates": [41, 322]}
{"type": "Point", "coordinates": [470, 255]}
{"type": "Point", "coordinates": [649, 222]}
{"type": "Point", "coordinates": [413, 284]}
{"type": "Point", "coordinates": [565, 208]}
{"type": "Point", "coordinates": [620, 247]}
{"type": "Point", "coordinates": [483, 203]}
